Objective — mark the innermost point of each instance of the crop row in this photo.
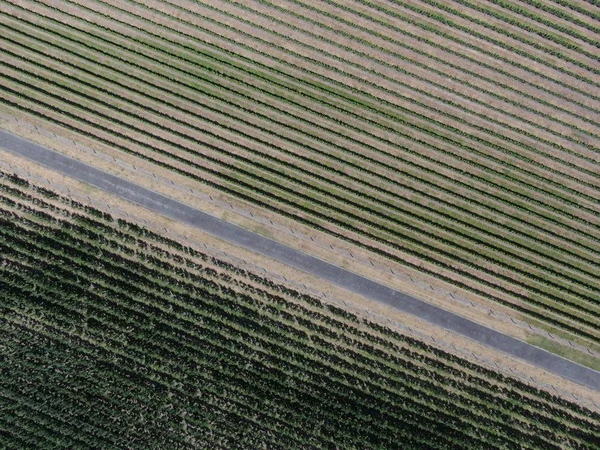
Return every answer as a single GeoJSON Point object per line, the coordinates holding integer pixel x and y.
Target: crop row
{"type": "Point", "coordinates": [526, 12]}
{"type": "Point", "coordinates": [381, 25]}
{"type": "Point", "coordinates": [146, 234]}
{"type": "Point", "coordinates": [241, 44]}
{"type": "Point", "coordinates": [354, 228]}
{"type": "Point", "coordinates": [561, 13]}
{"type": "Point", "coordinates": [183, 344]}
{"type": "Point", "coordinates": [316, 226]}
{"type": "Point", "coordinates": [365, 209]}
{"type": "Point", "coordinates": [179, 57]}
{"type": "Point", "coordinates": [402, 72]}
{"type": "Point", "coordinates": [217, 390]}
{"type": "Point", "coordinates": [132, 278]}
{"type": "Point", "coordinates": [512, 20]}
{"type": "Point", "coordinates": [378, 36]}
{"type": "Point", "coordinates": [179, 359]}
{"type": "Point", "coordinates": [101, 328]}
{"type": "Point", "coordinates": [47, 422]}
{"type": "Point", "coordinates": [496, 42]}
{"type": "Point", "coordinates": [316, 63]}
{"type": "Point", "coordinates": [247, 317]}
{"type": "Point", "coordinates": [141, 402]}
{"type": "Point", "coordinates": [503, 60]}
{"type": "Point", "coordinates": [159, 125]}
{"type": "Point", "coordinates": [65, 233]}
{"type": "Point", "coordinates": [388, 180]}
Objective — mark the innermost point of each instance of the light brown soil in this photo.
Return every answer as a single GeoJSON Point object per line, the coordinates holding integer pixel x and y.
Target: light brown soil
{"type": "Point", "coordinates": [169, 112]}
{"type": "Point", "coordinates": [407, 53]}
{"type": "Point", "coordinates": [372, 82]}
{"type": "Point", "coordinates": [485, 58]}
{"type": "Point", "coordinates": [547, 44]}
{"type": "Point", "coordinates": [424, 73]}
{"type": "Point", "coordinates": [575, 185]}
{"type": "Point", "coordinates": [376, 58]}
{"type": "Point", "coordinates": [581, 4]}
{"type": "Point", "coordinates": [549, 17]}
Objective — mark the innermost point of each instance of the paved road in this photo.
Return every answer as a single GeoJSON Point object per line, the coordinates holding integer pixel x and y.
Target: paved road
{"type": "Point", "coordinates": [302, 261]}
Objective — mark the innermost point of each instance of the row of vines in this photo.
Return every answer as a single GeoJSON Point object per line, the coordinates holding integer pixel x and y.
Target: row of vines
{"type": "Point", "coordinates": [117, 337]}
{"type": "Point", "coordinates": [489, 200]}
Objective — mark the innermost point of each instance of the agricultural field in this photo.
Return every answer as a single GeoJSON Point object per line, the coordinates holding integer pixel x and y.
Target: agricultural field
{"type": "Point", "coordinates": [114, 336]}
{"type": "Point", "coordinates": [459, 139]}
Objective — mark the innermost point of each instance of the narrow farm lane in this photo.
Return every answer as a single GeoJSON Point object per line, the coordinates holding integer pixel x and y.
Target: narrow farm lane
{"type": "Point", "coordinates": [299, 260]}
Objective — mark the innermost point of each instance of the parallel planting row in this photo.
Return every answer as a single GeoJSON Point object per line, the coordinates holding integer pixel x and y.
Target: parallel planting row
{"type": "Point", "coordinates": [116, 337]}
{"type": "Point", "coordinates": [372, 121]}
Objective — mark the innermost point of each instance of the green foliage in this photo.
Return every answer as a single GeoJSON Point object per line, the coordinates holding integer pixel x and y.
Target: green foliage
{"type": "Point", "coordinates": [117, 337]}
{"type": "Point", "coordinates": [488, 212]}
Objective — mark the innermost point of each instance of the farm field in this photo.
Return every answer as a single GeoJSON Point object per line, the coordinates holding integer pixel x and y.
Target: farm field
{"type": "Point", "coordinates": [459, 139]}
{"type": "Point", "coordinates": [115, 336]}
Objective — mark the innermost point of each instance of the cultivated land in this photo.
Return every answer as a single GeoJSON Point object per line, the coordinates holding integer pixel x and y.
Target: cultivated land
{"type": "Point", "coordinates": [456, 139]}
{"type": "Point", "coordinates": [447, 149]}
{"type": "Point", "coordinates": [304, 283]}
{"type": "Point", "coordinates": [348, 280]}
{"type": "Point", "coordinates": [128, 338]}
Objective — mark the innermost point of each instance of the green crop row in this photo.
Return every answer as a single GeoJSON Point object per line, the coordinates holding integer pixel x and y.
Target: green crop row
{"type": "Point", "coordinates": [102, 232]}
{"type": "Point", "coordinates": [526, 12]}
{"type": "Point", "coordinates": [270, 175]}
{"type": "Point", "coordinates": [532, 43]}
{"type": "Point", "coordinates": [377, 86]}
{"type": "Point", "coordinates": [136, 283]}
{"type": "Point", "coordinates": [490, 53]}
{"type": "Point", "coordinates": [445, 62]}
{"type": "Point", "coordinates": [247, 316]}
{"type": "Point", "coordinates": [504, 163]}
{"type": "Point", "coordinates": [511, 19]}
{"type": "Point", "coordinates": [184, 343]}
{"type": "Point", "coordinates": [372, 173]}
{"type": "Point", "coordinates": [366, 209]}
{"type": "Point", "coordinates": [243, 313]}
{"type": "Point", "coordinates": [516, 154]}
{"type": "Point", "coordinates": [409, 244]}
{"type": "Point", "coordinates": [346, 201]}
{"type": "Point", "coordinates": [499, 160]}
{"type": "Point", "coordinates": [140, 409]}
{"type": "Point", "coordinates": [402, 73]}
{"type": "Point", "coordinates": [92, 239]}
{"type": "Point", "coordinates": [252, 189]}
{"type": "Point", "coordinates": [420, 38]}
{"type": "Point", "coordinates": [558, 12]}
